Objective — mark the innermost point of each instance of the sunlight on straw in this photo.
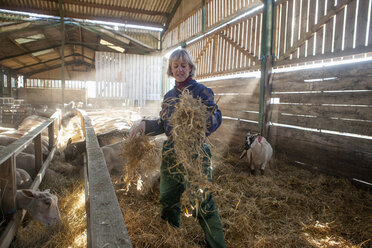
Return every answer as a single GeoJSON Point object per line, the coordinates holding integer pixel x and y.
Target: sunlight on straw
{"type": "Point", "coordinates": [80, 240]}
{"type": "Point", "coordinates": [79, 203]}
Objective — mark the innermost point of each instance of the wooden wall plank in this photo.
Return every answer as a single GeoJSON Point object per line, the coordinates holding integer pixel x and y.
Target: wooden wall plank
{"type": "Point", "coordinates": [324, 139]}
{"type": "Point", "coordinates": [353, 98]}
{"type": "Point", "coordinates": [344, 83]}
{"type": "Point", "coordinates": [338, 125]}
{"type": "Point", "coordinates": [236, 85]}
{"type": "Point", "coordinates": [242, 99]}
{"type": "Point", "coordinates": [336, 160]}
{"type": "Point", "coordinates": [349, 112]}
{"type": "Point", "coordinates": [240, 114]}
{"type": "Point", "coordinates": [233, 132]}
{"type": "Point", "coordinates": [339, 71]}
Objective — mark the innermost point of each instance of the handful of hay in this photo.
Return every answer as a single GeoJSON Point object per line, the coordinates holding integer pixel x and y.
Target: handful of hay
{"type": "Point", "coordinates": [142, 159]}
{"type": "Point", "coordinates": [189, 122]}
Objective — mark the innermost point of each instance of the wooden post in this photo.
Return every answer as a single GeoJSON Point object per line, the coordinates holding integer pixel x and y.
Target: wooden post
{"type": "Point", "coordinates": [38, 153]}
{"type": "Point", "coordinates": [214, 58]}
{"type": "Point", "coordinates": [24, 82]}
{"type": "Point", "coordinates": [1, 83]}
{"type": "Point", "coordinates": [51, 135]}
{"type": "Point", "coordinates": [9, 84]}
{"type": "Point", "coordinates": [8, 186]}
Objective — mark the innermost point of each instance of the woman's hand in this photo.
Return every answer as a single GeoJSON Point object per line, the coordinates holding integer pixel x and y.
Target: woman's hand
{"type": "Point", "coordinates": [140, 128]}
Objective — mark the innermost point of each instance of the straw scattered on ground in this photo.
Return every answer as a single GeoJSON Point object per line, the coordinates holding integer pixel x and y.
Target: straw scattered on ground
{"type": "Point", "coordinates": [288, 207]}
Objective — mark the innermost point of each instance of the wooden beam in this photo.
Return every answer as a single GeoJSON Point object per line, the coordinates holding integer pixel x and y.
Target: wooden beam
{"type": "Point", "coordinates": [103, 207]}
{"type": "Point", "coordinates": [239, 48]}
{"type": "Point", "coordinates": [23, 48]}
{"type": "Point", "coordinates": [78, 62]}
{"type": "Point", "coordinates": [7, 33]}
{"type": "Point", "coordinates": [27, 53]}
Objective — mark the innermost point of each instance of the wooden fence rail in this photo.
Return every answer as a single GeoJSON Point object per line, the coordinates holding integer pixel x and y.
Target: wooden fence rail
{"type": "Point", "coordinates": [8, 167]}
{"type": "Point", "coordinates": [105, 222]}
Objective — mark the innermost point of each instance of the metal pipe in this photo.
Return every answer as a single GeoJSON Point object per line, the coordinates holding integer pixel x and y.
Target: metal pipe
{"type": "Point", "coordinates": [266, 61]}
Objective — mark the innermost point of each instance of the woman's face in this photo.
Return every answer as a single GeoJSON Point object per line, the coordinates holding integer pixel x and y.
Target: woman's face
{"type": "Point", "coordinates": [180, 70]}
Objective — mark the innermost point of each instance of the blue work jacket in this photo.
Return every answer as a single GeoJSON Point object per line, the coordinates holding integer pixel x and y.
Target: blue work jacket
{"type": "Point", "coordinates": [161, 125]}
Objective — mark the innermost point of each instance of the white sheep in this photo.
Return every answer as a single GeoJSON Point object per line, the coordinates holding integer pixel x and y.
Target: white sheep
{"type": "Point", "coordinates": [258, 151]}
{"type": "Point", "coordinates": [42, 205]}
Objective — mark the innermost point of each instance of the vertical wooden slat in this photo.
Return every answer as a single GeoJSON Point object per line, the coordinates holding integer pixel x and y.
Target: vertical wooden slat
{"type": "Point", "coordinates": [289, 25]}
{"type": "Point", "coordinates": [296, 22]}
{"type": "Point", "coordinates": [304, 24]}
{"type": "Point", "coordinates": [38, 153]}
{"type": "Point", "coordinates": [362, 23]}
{"type": "Point", "coordinates": [214, 56]}
{"type": "Point", "coordinates": [339, 30]}
{"type": "Point", "coordinates": [283, 28]}
{"type": "Point", "coordinates": [320, 32]}
{"type": "Point", "coordinates": [350, 24]}
{"type": "Point", "coordinates": [226, 48]}
{"type": "Point", "coordinates": [329, 30]}
{"type": "Point", "coordinates": [310, 47]}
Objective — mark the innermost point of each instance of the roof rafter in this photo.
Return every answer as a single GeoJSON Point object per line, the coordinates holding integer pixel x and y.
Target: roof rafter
{"type": "Point", "coordinates": [27, 29]}
{"type": "Point", "coordinates": [51, 60]}
{"type": "Point", "coordinates": [73, 62]}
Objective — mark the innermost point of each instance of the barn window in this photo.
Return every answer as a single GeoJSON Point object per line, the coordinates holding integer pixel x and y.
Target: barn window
{"type": "Point", "coordinates": [30, 38]}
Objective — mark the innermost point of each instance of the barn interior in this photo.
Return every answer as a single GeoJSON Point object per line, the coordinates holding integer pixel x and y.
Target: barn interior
{"type": "Point", "coordinates": [295, 72]}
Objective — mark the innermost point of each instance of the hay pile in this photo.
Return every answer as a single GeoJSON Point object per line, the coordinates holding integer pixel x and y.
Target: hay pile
{"type": "Point", "coordinates": [189, 122]}
{"type": "Point", "coordinates": [142, 162]}
{"type": "Point", "coordinates": [288, 207]}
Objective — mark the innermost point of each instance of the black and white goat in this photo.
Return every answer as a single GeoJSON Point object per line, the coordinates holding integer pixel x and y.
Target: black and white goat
{"type": "Point", "coordinates": [258, 150]}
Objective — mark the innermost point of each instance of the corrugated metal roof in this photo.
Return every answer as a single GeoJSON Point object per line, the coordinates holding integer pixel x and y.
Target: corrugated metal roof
{"type": "Point", "coordinates": [82, 37]}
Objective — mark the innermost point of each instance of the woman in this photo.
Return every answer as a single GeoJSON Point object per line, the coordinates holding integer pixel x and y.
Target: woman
{"type": "Point", "coordinates": [182, 68]}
